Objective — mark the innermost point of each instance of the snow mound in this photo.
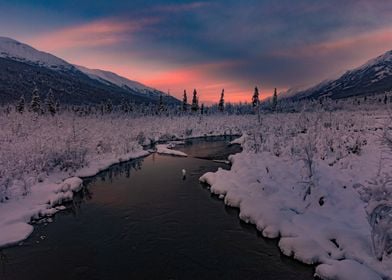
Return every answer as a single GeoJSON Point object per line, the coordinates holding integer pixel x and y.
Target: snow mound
{"type": "Point", "coordinates": [167, 149]}
{"type": "Point", "coordinates": [346, 270]}
{"type": "Point", "coordinates": [13, 233]}
{"type": "Point", "coordinates": [16, 215]}
{"type": "Point", "coordinates": [239, 140]}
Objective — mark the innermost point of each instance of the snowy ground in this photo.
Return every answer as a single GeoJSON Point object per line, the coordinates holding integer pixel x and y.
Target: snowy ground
{"type": "Point", "coordinates": [312, 180]}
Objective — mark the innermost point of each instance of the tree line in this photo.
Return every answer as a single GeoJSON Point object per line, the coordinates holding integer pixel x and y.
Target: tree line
{"type": "Point", "coordinates": [51, 106]}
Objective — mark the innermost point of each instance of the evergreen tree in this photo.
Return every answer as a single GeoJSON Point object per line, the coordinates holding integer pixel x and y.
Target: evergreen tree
{"type": "Point", "coordinates": [102, 108]}
{"type": "Point", "coordinates": [255, 98]}
{"type": "Point", "coordinates": [274, 101]}
{"type": "Point", "coordinates": [385, 99]}
{"type": "Point", "coordinates": [35, 105]}
{"type": "Point", "coordinates": [221, 104]}
{"type": "Point", "coordinates": [20, 107]}
{"type": "Point", "coordinates": [8, 110]}
{"type": "Point", "coordinates": [185, 102]}
{"type": "Point", "coordinates": [125, 107]}
{"type": "Point", "coordinates": [202, 109]}
{"type": "Point", "coordinates": [109, 106]}
{"type": "Point", "coordinates": [50, 103]}
{"type": "Point", "coordinates": [57, 106]}
{"type": "Point", "coordinates": [195, 102]}
{"type": "Point", "coordinates": [161, 106]}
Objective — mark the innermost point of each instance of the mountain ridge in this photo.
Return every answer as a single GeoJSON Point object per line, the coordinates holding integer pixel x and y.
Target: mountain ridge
{"type": "Point", "coordinates": [372, 77]}
{"type": "Point", "coordinates": [22, 68]}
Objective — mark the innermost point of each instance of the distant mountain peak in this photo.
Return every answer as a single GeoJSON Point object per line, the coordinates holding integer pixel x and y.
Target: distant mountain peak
{"type": "Point", "coordinates": [12, 49]}
{"type": "Point", "coordinates": [107, 76]}
{"type": "Point", "coordinates": [373, 77]}
{"type": "Point", "coordinates": [384, 58]}
{"type": "Point", "coordinates": [70, 83]}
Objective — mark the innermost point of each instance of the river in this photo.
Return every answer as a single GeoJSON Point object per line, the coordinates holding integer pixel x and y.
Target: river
{"type": "Point", "coordinates": [142, 220]}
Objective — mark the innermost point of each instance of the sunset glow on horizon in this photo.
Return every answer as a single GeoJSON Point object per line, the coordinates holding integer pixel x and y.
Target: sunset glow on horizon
{"type": "Point", "coordinates": [207, 45]}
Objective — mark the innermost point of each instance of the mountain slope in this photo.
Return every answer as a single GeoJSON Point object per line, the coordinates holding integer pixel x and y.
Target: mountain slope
{"type": "Point", "coordinates": [22, 68]}
{"type": "Point", "coordinates": [373, 77]}
{"type": "Point", "coordinates": [106, 76]}
{"type": "Point", "coordinates": [14, 50]}
{"type": "Point", "coordinates": [110, 78]}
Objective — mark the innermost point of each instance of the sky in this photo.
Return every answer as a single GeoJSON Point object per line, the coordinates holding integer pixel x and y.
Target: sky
{"type": "Point", "coordinates": [207, 45]}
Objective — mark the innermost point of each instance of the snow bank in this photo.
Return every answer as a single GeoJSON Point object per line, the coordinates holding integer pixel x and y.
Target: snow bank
{"type": "Point", "coordinates": [239, 140]}
{"type": "Point", "coordinates": [295, 188]}
{"type": "Point", "coordinates": [346, 270]}
{"type": "Point", "coordinates": [16, 215]}
{"type": "Point", "coordinates": [97, 166]}
{"type": "Point", "coordinates": [45, 200]}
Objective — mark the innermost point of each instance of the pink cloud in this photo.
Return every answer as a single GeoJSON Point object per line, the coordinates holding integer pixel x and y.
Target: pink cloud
{"type": "Point", "coordinates": [204, 78]}
{"type": "Point", "coordinates": [98, 33]}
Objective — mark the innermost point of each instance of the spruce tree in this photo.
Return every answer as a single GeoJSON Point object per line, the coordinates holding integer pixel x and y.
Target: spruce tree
{"type": "Point", "coordinates": [185, 102]}
{"type": "Point", "coordinates": [221, 104]}
{"type": "Point", "coordinates": [125, 107]}
{"type": "Point", "coordinates": [161, 106]}
{"type": "Point", "coordinates": [274, 101]}
{"type": "Point", "coordinates": [35, 105]}
{"type": "Point", "coordinates": [202, 109]}
{"type": "Point", "coordinates": [255, 98]}
{"type": "Point", "coordinates": [109, 106]}
{"type": "Point", "coordinates": [57, 106]}
{"type": "Point", "coordinates": [195, 102]}
{"type": "Point", "coordinates": [20, 107]}
{"type": "Point", "coordinates": [102, 107]}
{"type": "Point", "coordinates": [50, 103]}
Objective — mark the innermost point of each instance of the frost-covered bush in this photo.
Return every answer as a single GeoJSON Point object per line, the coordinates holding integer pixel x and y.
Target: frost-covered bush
{"type": "Point", "coordinates": [381, 222]}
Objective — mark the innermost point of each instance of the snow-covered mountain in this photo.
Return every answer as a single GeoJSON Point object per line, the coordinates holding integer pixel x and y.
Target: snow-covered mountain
{"type": "Point", "coordinates": [110, 77]}
{"type": "Point", "coordinates": [12, 49]}
{"type": "Point", "coordinates": [373, 77]}
{"type": "Point", "coordinates": [22, 68]}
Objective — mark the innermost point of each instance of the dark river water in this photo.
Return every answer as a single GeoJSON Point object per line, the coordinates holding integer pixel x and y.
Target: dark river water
{"type": "Point", "coordinates": [141, 220]}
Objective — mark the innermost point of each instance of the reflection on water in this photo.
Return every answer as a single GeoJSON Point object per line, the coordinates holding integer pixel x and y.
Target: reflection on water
{"type": "Point", "coordinates": [123, 169]}
{"type": "Point", "coordinates": [215, 148]}
{"type": "Point", "coordinates": [3, 262]}
{"type": "Point", "coordinates": [141, 220]}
